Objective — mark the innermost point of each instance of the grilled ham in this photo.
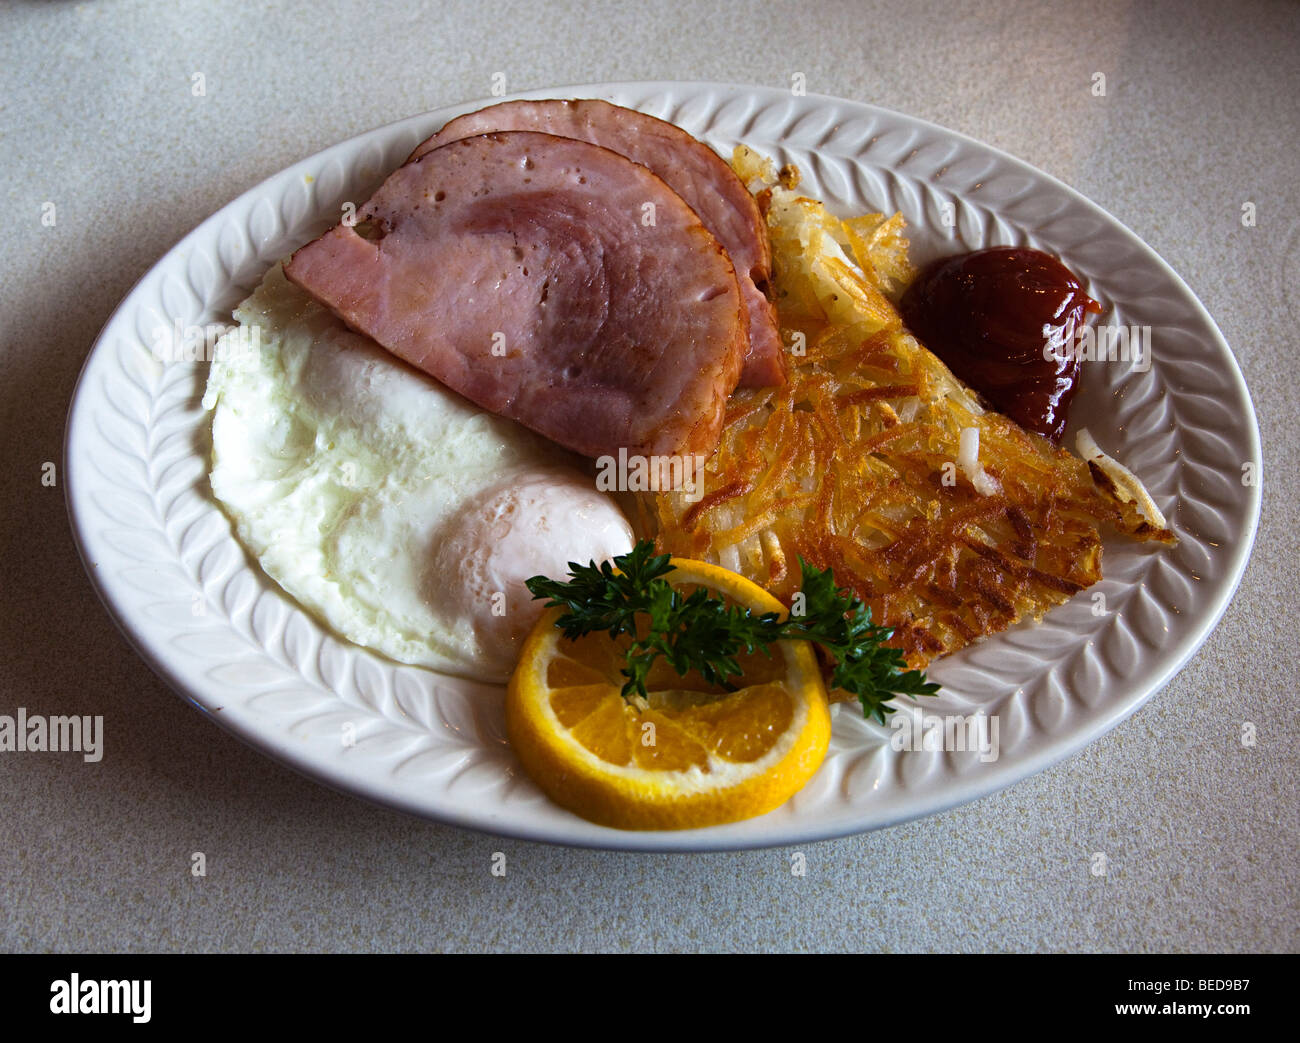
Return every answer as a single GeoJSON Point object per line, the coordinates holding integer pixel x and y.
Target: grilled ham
{"type": "Point", "coordinates": [548, 280]}
{"type": "Point", "coordinates": [689, 167]}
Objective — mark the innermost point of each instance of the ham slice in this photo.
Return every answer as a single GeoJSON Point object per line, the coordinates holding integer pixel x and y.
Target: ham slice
{"type": "Point", "coordinates": [689, 167]}
{"type": "Point", "coordinates": [548, 280]}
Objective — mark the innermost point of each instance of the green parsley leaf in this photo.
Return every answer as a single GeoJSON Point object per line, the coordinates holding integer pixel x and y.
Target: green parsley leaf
{"type": "Point", "coordinates": [702, 631]}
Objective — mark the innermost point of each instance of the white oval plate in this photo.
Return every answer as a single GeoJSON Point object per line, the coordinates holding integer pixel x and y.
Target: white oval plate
{"type": "Point", "coordinates": [168, 567]}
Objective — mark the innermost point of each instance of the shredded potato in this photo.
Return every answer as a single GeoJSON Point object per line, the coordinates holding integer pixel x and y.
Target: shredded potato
{"type": "Point", "coordinates": [858, 464]}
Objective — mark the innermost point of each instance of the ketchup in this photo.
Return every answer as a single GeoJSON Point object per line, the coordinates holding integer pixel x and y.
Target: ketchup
{"type": "Point", "coordinates": [990, 314]}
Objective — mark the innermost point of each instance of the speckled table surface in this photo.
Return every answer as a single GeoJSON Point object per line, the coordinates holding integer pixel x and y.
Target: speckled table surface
{"type": "Point", "coordinates": [97, 113]}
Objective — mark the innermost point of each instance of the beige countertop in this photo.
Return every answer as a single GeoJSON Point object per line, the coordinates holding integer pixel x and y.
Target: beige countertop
{"type": "Point", "coordinates": [97, 113]}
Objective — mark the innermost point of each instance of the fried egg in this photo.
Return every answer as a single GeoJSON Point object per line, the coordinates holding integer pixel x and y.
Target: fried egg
{"type": "Point", "coordinates": [400, 514]}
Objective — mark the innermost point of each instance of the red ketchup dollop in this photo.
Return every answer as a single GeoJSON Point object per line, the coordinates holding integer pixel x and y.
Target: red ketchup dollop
{"type": "Point", "coordinates": [990, 314]}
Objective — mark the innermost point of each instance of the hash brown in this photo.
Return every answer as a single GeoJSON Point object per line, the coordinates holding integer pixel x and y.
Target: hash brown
{"type": "Point", "coordinates": [947, 519]}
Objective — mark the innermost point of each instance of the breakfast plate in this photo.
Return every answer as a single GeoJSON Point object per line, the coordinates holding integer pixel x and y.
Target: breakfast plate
{"type": "Point", "coordinates": [165, 560]}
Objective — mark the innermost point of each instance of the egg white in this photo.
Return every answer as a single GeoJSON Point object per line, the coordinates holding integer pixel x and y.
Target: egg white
{"type": "Point", "coordinates": [399, 513]}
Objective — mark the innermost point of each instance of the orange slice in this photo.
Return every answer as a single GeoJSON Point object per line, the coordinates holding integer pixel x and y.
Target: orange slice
{"type": "Point", "coordinates": [694, 754]}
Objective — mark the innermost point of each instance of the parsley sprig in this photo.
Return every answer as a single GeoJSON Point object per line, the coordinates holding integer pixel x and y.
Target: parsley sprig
{"type": "Point", "coordinates": [704, 632]}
